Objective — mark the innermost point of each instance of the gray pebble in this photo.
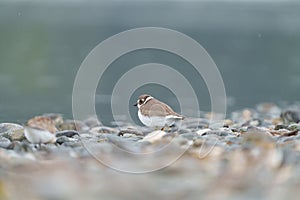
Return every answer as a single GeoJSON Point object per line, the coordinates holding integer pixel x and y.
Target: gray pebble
{"type": "Point", "coordinates": [281, 126]}
{"type": "Point", "coordinates": [4, 142]}
{"type": "Point", "coordinates": [102, 130]}
{"type": "Point", "coordinates": [72, 144]}
{"type": "Point", "coordinates": [130, 132]}
{"type": "Point", "coordinates": [67, 133]}
{"type": "Point", "coordinates": [62, 139]}
{"type": "Point", "coordinates": [293, 127]}
{"type": "Point", "coordinates": [218, 132]}
{"type": "Point", "coordinates": [189, 136]}
{"type": "Point", "coordinates": [290, 116]}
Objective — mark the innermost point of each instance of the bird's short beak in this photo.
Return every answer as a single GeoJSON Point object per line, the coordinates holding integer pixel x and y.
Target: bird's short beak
{"type": "Point", "coordinates": [135, 104]}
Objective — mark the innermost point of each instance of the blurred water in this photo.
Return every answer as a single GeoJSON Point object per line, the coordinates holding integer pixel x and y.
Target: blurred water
{"type": "Point", "coordinates": [255, 45]}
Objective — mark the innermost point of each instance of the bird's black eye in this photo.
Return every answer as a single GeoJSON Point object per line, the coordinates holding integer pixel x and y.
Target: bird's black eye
{"type": "Point", "coordinates": [141, 101]}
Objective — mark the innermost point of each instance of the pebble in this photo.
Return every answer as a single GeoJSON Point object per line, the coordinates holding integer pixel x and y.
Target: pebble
{"type": "Point", "coordinates": [194, 123]}
{"type": "Point", "coordinates": [293, 127]}
{"type": "Point", "coordinates": [253, 122]}
{"type": "Point", "coordinates": [67, 133]}
{"type": "Point", "coordinates": [281, 126]}
{"type": "Point", "coordinates": [103, 130]}
{"type": "Point", "coordinates": [154, 136]}
{"type": "Point", "coordinates": [73, 144]}
{"type": "Point", "coordinates": [189, 136]}
{"type": "Point", "coordinates": [4, 142]}
{"type": "Point", "coordinates": [62, 139]}
{"type": "Point", "coordinates": [217, 132]}
{"type": "Point", "coordinates": [23, 146]}
{"type": "Point", "coordinates": [290, 116]}
{"type": "Point", "coordinates": [12, 131]}
{"type": "Point", "coordinates": [203, 131]}
{"type": "Point", "coordinates": [130, 132]}
{"type": "Point", "coordinates": [258, 136]}
{"type": "Point", "coordinates": [123, 143]}
{"type": "Point", "coordinates": [182, 131]}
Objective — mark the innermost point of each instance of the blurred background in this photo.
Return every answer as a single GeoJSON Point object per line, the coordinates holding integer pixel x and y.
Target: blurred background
{"type": "Point", "coordinates": [255, 44]}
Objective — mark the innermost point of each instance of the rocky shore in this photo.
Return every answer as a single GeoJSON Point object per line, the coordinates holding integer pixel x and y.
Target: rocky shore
{"type": "Point", "coordinates": [255, 154]}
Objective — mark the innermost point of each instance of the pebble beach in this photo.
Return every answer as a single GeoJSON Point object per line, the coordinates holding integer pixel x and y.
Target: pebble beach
{"type": "Point", "coordinates": [255, 154]}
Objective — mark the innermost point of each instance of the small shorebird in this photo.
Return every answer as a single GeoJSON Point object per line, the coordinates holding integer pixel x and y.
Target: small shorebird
{"type": "Point", "coordinates": [154, 113]}
{"type": "Point", "coordinates": [40, 130]}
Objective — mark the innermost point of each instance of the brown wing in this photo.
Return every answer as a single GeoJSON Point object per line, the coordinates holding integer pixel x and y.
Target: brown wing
{"type": "Point", "coordinates": [155, 107]}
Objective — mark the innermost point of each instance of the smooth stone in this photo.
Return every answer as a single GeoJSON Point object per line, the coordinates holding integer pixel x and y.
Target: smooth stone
{"type": "Point", "coordinates": [12, 131]}
{"type": "Point", "coordinates": [285, 139]}
{"type": "Point", "coordinates": [257, 135]}
{"type": "Point", "coordinates": [154, 136]}
{"type": "Point", "coordinates": [217, 132]}
{"type": "Point", "coordinates": [259, 130]}
{"type": "Point", "coordinates": [293, 127]}
{"type": "Point", "coordinates": [102, 129]}
{"type": "Point", "coordinates": [67, 133]}
{"type": "Point", "coordinates": [116, 139]}
{"type": "Point", "coordinates": [290, 116]}
{"type": "Point", "coordinates": [134, 138]}
{"type": "Point", "coordinates": [297, 137]}
{"type": "Point", "coordinates": [182, 131]}
{"type": "Point", "coordinates": [123, 143]}
{"type": "Point", "coordinates": [227, 123]}
{"type": "Point", "coordinates": [216, 125]}
{"type": "Point", "coordinates": [62, 140]}
{"type": "Point", "coordinates": [203, 131]}
{"type": "Point", "coordinates": [17, 135]}
{"type": "Point", "coordinates": [194, 123]}
{"type": "Point", "coordinates": [284, 132]}
{"type": "Point", "coordinates": [23, 146]}
{"type": "Point", "coordinates": [5, 143]}
{"type": "Point", "coordinates": [130, 132]}
{"type": "Point", "coordinates": [281, 126]}
{"type": "Point", "coordinates": [127, 135]}
{"type": "Point", "coordinates": [243, 129]}
{"type": "Point", "coordinates": [189, 136]}
{"type": "Point", "coordinates": [253, 122]}
{"type": "Point", "coordinates": [72, 144]}
{"type": "Point", "coordinates": [231, 138]}
{"type": "Point", "coordinates": [86, 135]}
{"type": "Point", "coordinates": [180, 141]}
{"type": "Point", "coordinates": [198, 142]}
